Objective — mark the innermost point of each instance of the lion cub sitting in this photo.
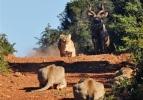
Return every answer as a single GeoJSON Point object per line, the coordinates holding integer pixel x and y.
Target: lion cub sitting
{"type": "Point", "coordinates": [50, 75]}
{"type": "Point", "coordinates": [89, 89]}
{"type": "Point", "coordinates": [66, 46]}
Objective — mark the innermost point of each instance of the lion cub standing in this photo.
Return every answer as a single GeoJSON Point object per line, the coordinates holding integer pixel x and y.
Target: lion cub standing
{"type": "Point", "coordinates": [66, 46]}
{"type": "Point", "coordinates": [89, 89]}
{"type": "Point", "coordinates": [51, 75]}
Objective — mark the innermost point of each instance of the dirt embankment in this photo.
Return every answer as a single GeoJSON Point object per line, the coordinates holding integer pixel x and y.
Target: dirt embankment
{"type": "Point", "coordinates": [16, 85]}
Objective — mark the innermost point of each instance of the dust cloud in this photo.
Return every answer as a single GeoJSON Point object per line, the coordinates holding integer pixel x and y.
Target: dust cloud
{"type": "Point", "coordinates": [51, 51]}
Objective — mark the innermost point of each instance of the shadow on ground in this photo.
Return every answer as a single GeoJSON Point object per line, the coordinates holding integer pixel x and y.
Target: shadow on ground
{"type": "Point", "coordinates": [76, 67]}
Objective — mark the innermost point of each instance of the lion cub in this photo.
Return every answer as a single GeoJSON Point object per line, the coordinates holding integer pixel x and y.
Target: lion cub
{"type": "Point", "coordinates": [66, 46]}
{"type": "Point", "coordinates": [50, 75]}
{"type": "Point", "coordinates": [88, 89]}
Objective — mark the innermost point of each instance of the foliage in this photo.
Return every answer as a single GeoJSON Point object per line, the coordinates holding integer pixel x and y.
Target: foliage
{"type": "Point", "coordinates": [5, 46]}
{"type": "Point", "coordinates": [4, 68]}
{"type": "Point", "coordinates": [109, 96]}
{"type": "Point", "coordinates": [75, 22]}
{"type": "Point", "coordinates": [127, 23]}
{"type": "Point", "coordinates": [49, 37]}
{"type": "Point", "coordinates": [123, 87]}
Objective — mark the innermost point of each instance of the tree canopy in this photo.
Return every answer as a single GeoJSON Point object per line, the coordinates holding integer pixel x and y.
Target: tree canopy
{"type": "Point", "coordinates": [5, 46]}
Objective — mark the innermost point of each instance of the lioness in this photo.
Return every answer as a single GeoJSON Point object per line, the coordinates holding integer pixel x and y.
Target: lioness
{"type": "Point", "coordinates": [50, 75]}
{"type": "Point", "coordinates": [66, 46]}
{"type": "Point", "coordinates": [89, 89]}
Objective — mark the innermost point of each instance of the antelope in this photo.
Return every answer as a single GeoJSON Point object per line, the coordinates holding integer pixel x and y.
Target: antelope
{"type": "Point", "coordinates": [100, 36]}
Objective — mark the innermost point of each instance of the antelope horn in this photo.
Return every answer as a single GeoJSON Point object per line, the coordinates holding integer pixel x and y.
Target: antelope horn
{"type": "Point", "coordinates": [90, 11]}
{"type": "Point", "coordinates": [100, 12]}
{"type": "Point", "coordinates": [102, 7]}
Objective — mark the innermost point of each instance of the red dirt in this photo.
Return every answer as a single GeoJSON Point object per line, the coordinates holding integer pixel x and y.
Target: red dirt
{"type": "Point", "coordinates": [15, 86]}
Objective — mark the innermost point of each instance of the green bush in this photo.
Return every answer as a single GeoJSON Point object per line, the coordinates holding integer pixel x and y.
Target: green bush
{"type": "Point", "coordinates": [5, 46]}
{"type": "Point", "coordinates": [123, 87]}
{"type": "Point", "coordinates": [4, 67]}
{"type": "Point", "coordinates": [5, 49]}
{"type": "Point", "coordinates": [127, 23]}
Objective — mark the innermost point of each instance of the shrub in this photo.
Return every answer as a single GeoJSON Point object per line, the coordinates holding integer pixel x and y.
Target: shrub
{"type": "Point", "coordinates": [5, 46]}
{"type": "Point", "coordinates": [124, 89]}
{"type": "Point", "coordinates": [4, 67]}
{"type": "Point", "coordinates": [5, 49]}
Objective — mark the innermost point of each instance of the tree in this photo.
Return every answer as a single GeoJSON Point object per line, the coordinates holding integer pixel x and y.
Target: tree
{"type": "Point", "coordinates": [74, 21]}
{"type": "Point", "coordinates": [49, 37]}
{"type": "Point", "coordinates": [127, 23]}
{"type": "Point", "coordinates": [5, 46]}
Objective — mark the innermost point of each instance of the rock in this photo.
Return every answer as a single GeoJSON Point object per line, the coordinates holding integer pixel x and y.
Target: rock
{"type": "Point", "coordinates": [17, 74]}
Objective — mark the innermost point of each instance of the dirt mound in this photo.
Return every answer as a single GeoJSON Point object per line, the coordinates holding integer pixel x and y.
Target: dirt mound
{"type": "Point", "coordinates": [103, 57]}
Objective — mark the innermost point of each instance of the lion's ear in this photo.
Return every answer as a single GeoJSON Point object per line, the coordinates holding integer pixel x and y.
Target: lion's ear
{"type": "Point", "coordinates": [69, 36]}
{"type": "Point", "coordinates": [61, 35]}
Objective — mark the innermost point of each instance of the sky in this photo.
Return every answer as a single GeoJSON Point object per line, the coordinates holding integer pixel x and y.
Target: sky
{"type": "Point", "coordinates": [22, 20]}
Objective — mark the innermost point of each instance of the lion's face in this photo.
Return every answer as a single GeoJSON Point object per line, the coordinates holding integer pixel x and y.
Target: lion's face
{"type": "Point", "coordinates": [66, 46]}
{"type": "Point", "coordinates": [65, 38]}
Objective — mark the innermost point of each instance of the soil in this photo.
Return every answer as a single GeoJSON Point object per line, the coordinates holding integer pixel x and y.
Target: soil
{"type": "Point", "coordinates": [16, 85]}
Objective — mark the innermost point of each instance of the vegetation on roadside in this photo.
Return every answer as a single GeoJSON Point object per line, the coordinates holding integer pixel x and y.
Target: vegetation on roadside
{"type": "Point", "coordinates": [4, 67]}
{"type": "Point", "coordinates": [128, 23]}
{"type": "Point", "coordinates": [5, 48]}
